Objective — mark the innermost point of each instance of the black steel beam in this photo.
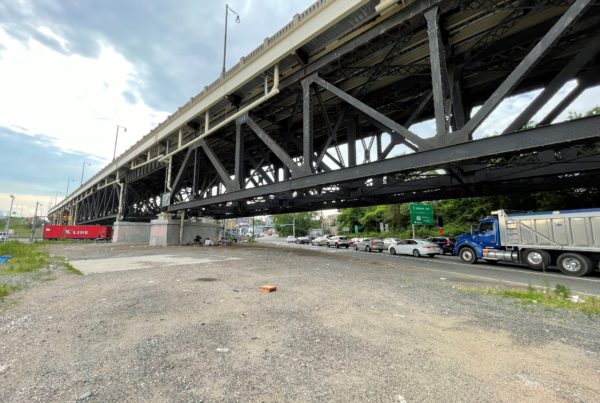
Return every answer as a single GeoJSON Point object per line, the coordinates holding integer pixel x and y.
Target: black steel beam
{"type": "Point", "coordinates": [274, 147]}
{"type": "Point", "coordinates": [439, 74]}
{"type": "Point", "coordinates": [393, 127]}
{"type": "Point", "coordinates": [532, 58]}
{"type": "Point", "coordinates": [566, 74]}
{"type": "Point", "coordinates": [587, 129]}
{"type": "Point", "coordinates": [223, 174]}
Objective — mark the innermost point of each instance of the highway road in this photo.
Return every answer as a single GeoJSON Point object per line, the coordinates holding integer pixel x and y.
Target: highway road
{"type": "Point", "coordinates": [452, 269]}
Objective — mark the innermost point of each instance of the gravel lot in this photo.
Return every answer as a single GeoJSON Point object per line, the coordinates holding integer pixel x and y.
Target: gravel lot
{"type": "Point", "coordinates": [189, 324]}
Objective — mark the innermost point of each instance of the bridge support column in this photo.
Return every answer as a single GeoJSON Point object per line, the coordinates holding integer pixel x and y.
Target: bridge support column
{"type": "Point", "coordinates": [439, 75]}
{"type": "Point", "coordinates": [307, 126]}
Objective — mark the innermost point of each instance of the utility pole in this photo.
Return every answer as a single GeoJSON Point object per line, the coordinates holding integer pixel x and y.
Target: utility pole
{"type": "Point", "coordinates": [294, 227]}
{"type": "Point", "coordinates": [33, 221]}
{"type": "Point", "coordinates": [12, 199]}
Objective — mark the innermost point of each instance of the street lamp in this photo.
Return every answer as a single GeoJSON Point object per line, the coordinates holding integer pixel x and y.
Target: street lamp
{"type": "Point", "coordinates": [12, 199]}
{"type": "Point", "coordinates": [68, 182]}
{"type": "Point", "coordinates": [116, 137]}
{"type": "Point", "coordinates": [237, 20]}
{"type": "Point", "coordinates": [82, 169]}
{"type": "Point", "coordinates": [56, 198]}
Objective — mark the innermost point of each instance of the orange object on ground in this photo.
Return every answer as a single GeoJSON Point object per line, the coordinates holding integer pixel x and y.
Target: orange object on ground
{"type": "Point", "coordinates": [267, 288]}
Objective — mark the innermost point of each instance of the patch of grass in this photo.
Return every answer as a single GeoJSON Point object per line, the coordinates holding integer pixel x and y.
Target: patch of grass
{"type": "Point", "coordinates": [560, 297]}
{"type": "Point", "coordinates": [26, 257]}
{"type": "Point", "coordinates": [71, 269]}
{"type": "Point", "coordinates": [6, 289]}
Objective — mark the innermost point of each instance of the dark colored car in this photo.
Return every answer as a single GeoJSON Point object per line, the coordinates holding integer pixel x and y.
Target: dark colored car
{"type": "Point", "coordinates": [446, 244]}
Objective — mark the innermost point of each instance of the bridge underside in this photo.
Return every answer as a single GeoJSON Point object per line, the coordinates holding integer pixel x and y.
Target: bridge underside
{"type": "Point", "coordinates": [342, 128]}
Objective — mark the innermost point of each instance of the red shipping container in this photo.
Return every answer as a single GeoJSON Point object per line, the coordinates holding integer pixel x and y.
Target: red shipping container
{"type": "Point", "coordinates": [77, 232]}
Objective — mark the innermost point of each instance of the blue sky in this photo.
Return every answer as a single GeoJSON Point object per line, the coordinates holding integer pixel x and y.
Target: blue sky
{"type": "Point", "coordinates": [72, 70]}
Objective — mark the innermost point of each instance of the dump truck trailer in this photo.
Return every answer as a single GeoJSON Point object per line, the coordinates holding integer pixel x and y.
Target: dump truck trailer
{"type": "Point", "coordinates": [569, 239]}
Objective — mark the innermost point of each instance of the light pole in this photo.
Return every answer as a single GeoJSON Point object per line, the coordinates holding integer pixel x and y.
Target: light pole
{"type": "Point", "coordinates": [33, 221]}
{"type": "Point", "coordinates": [116, 138]}
{"type": "Point", "coordinates": [237, 20]}
{"type": "Point", "coordinates": [56, 198]}
{"type": "Point", "coordinates": [68, 182]}
{"type": "Point", "coordinates": [82, 169]}
{"type": "Point", "coordinates": [12, 199]}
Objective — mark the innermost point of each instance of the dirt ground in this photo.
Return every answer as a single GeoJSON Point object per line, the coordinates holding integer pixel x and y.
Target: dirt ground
{"type": "Point", "coordinates": [189, 324]}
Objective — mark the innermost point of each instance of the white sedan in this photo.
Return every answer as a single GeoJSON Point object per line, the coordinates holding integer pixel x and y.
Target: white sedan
{"type": "Point", "coordinates": [415, 247]}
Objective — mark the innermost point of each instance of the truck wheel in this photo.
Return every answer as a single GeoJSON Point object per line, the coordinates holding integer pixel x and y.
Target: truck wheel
{"type": "Point", "coordinates": [468, 255]}
{"type": "Point", "coordinates": [536, 259]}
{"type": "Point", "coordinates": [574, 264]}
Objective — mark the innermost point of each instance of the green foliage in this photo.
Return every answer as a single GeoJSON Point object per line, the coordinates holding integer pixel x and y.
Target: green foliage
{"type": "Point", "coordinates": [562, 290]}
{"type": "Point", "coordinates": [349, 217]}
{"type": "Point", "coordinates": [460, 214]}
{"type": "Point", "coordinates": [6, 289]}
{"type": "Point", "coordinates": [594, 112]}
{"type": "Point", "coordinates": [72, 269]}
{"type": "Point", "coordinates": [559, 298]}
{"type": "Point", "coordinates": [25, 257]}
{"type": "Point", "coordinates": [303, 222]}
{"type": "Point", "coordinates": [372, 217]}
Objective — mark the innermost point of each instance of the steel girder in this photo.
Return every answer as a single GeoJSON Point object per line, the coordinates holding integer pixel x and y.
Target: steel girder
{"type": "Point", "coordinates": [323, 136]}
{"type": "Point", "coordinates": [498, 150]}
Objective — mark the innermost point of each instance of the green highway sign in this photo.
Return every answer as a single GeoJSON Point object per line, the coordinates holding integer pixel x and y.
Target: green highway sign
{"type": "Point", "coordinates": [421, 214]}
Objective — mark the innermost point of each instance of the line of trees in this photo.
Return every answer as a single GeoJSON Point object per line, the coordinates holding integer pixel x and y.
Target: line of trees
{"type": "Point", "coordinates": [460, 214]}
{"type": "Point", "coordinates": [284, 223]}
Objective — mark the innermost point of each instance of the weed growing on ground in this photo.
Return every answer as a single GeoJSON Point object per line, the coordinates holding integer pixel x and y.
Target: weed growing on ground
{"type": "Point", "coordinates": [26, 257]}
{"type": "Point", "coordinates": [560, 297]}
{"type": "Point", "coordinates": [6, 289]}
{"type": "Point", "coordinates": [71, 269]}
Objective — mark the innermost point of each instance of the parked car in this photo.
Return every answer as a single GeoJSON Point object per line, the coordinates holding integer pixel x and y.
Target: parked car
{"type": "Point", "coordinates": [338, 242]}
{"type": "Point", "coordinates": [2, 236]}
{"type": "Point", "coordinates": [369, 244]}
{"type": "Point", "coordinates": [352, 241]}
{"type": "Point", "coordinates": [390, 241]}
{"type": "Point", "coordinates": [302, 239]}
{"type": "Point", "coordinates": [446, 244]}
{"type": "Point", "coordinates": [415, 247]}
{"type": "Point", "coordinates": [319, 241]}
{"type": "Point", "coordinates": [290, 239]}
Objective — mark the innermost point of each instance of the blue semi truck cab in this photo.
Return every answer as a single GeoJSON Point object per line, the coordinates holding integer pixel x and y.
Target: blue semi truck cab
{"type": "Point", "coordinates": [569, 239]}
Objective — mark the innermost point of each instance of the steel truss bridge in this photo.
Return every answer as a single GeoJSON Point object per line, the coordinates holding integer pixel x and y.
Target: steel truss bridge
{"type": "Point", "coordinates": [322, 115]}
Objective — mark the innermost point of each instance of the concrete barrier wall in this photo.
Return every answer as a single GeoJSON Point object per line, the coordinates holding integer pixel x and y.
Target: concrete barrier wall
{"type": "Point", "coordinates": [163, 232]}
{"type": "Point", "coordinates": [131, 232]}
{"type": "Point", "coordinates": [205, 230]}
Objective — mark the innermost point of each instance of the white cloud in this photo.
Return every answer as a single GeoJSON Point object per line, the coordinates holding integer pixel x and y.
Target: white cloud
{"type": "Point", "coordinates": [77, 100]}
